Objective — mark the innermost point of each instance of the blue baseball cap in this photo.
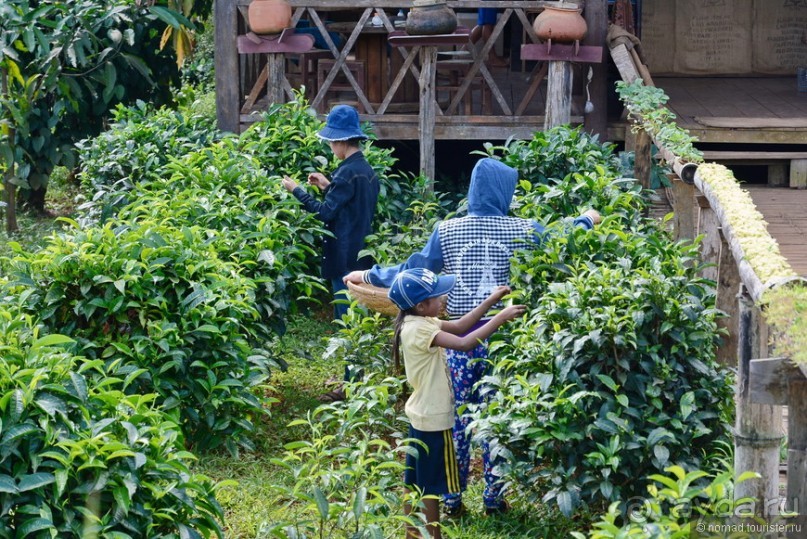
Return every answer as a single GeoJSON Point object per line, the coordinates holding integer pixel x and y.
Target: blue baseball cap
{"type": "Point", "coordinates": [342, 123]}
{"type": "Point", "coordinates": [412, 286]}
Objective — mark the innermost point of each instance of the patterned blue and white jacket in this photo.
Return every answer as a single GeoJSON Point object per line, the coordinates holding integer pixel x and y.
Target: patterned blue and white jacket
{"type": "Point", "coordinates": [477, 248]}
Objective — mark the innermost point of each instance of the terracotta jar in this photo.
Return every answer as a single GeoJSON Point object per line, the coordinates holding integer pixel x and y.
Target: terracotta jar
{"type": "Point", "coordinates": [430, 17]}
{"type": "Point", "coordinates": [269, 16]}
{"type": "Point", "coordinates": [562, 23]}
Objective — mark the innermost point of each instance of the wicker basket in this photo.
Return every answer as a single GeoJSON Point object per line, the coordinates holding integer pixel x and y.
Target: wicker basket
{"type": "Point", "coordinates": [373, 297]}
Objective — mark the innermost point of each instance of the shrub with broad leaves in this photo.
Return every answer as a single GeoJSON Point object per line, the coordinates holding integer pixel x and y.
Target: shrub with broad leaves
{"type": "Point", "coordinates": [140, 141]}
{"type": "Point", "coordinates": [611, 375]}
{"type": "Point", "coordinates": [163, 312]}
{"type": "Point", "coordinates": [248, 218]}
{"type": "Point", "coordinates": [81, 457]}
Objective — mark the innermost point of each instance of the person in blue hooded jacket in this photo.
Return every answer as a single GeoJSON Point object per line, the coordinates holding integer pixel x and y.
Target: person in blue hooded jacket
{"type": "Point", "coordinates": [477, 249]}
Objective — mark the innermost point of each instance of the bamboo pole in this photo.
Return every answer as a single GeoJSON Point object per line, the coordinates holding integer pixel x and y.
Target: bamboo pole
{"type": "Point", "coordinates": [750, 280]}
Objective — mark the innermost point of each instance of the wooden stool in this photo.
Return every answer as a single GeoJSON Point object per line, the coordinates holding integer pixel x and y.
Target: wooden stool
{"type": "Point", "coordinates": [450, 74]}
{"type": "Point", "coordinates": [324, 66]}
{"type": "Point", "coordinates": [302, 68]}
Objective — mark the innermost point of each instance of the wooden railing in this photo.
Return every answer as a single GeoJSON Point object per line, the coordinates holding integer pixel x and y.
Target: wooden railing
{"type": "Point", "coordinates": [764, 384]}
{"type": "Point", "coordinates": [235, 76]}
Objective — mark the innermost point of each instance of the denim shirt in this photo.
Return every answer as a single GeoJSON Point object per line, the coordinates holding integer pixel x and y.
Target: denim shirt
{"type": "Point", "coordinates": [347, 211]}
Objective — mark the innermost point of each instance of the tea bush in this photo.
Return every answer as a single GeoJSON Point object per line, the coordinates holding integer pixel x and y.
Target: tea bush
{"type": "Point", "coordinates": [163, 312]}
{"type": "Point", "coordinates": [363, 341]}
{"type": "Point", "coordinates": [676, 505]}
{"type": "Point", "coordinates": [248, 219]}
{"type": "Point", "coordinates": [611, 375]}
{"type": "Point", "coordinates": [80, 458]}
{"type": "Point", "coordinates": [557, 152]}
{"type": "Point", "coordinates": [348, 473]}
{"type": "Point", "coordinates": [138, 143]}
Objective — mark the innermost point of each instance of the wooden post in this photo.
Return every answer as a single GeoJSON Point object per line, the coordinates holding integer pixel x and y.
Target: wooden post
{"type": "Point", "coordinates": [798, 173]}
{"type": "Point", "coordinates": [558, 94]}
{"type": "Point", "coordinates": [277, 77]}
{"type": "Point", "coordinates": [11, 199]}
{"type": "Point", "coordinates": [427, 79]}
{"type": "Point", "coordinates": [596, 15]}
{"type": "Point", "coordinates": [643, 157]}
{"type": "Point", "coordinates": [428, 109]}
{"type": "Point", "coordinates": [758, 429]}
{"type": "Point", "coordinates": [684, 207]}
{"type": "Point", "coordinates": [797, 455]}
{"type": "Point", "coordinates": [777, 174]}
{"type": "Point", "coordinates": [559, 57]}
{"type": "Point", "coordinates": [640, 143]}
{"type": "Point", "coordinates": [728, 290]}
{"type": "Point", "coordinates": [226, 63]}
{"type": "Point", "coordinates": [712, 244]}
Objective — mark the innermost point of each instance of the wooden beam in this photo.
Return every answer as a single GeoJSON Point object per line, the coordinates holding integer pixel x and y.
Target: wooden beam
{"type": "Point", "coordinates": [454, 4]}
{"type": "Point", "coordinates": [721, 155]}
{"type": "Point", "coordinates": [769, 380]}
{"type": "Point", "coordinates": [225, 14]}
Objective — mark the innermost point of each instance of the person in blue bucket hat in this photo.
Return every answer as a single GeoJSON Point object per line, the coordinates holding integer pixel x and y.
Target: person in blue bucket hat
{"type": "Point", "coordinates": [348, 204]}
{"type": "Point", "coordinates": [422, 338]}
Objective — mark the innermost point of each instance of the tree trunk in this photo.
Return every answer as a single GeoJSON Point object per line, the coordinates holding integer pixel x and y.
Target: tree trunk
{"type": "Point", "coordinates": [10, 188]}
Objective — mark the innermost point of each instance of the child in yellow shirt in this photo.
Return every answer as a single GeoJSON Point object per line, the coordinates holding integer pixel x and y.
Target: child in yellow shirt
{"type": "Point", "coordinates": [421, 338]}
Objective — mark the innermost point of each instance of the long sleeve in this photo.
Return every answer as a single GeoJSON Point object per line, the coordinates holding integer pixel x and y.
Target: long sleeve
{"type": "Point", "coordinates": [430, 257]}
{"type": "Point", "coordinates": [541, 234]}
{"type": "Point", "coordinates": [337, 195]}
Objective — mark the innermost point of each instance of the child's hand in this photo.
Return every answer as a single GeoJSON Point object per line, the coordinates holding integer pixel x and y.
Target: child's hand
{"type": "Point", "coordinates": [499, 292]}
{"type": "Point", "coordinates": [319, 180]}
{"type": "Point", "coordinates": [513, 311]}
{"type": "Point", "coordinates": [289, 184]}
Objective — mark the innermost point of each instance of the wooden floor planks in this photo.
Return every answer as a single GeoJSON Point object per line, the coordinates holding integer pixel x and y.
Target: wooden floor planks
{"type": "Point", "coordinates": [753, 98]}
{"type": "Point", "coordinates": [784, 210]}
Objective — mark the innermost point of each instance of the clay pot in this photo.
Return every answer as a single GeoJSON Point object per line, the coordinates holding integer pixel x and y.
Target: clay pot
{"type": "Point", "coordinates": [561, 24]}
{"type": "Point", "coordinates": [269, 16]}
{"type": "Point", "coordinates": [430, 17]}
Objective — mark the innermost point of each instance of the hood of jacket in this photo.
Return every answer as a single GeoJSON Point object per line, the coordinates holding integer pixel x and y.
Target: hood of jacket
{"type": "Point", "coordinates": [492, 187]}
